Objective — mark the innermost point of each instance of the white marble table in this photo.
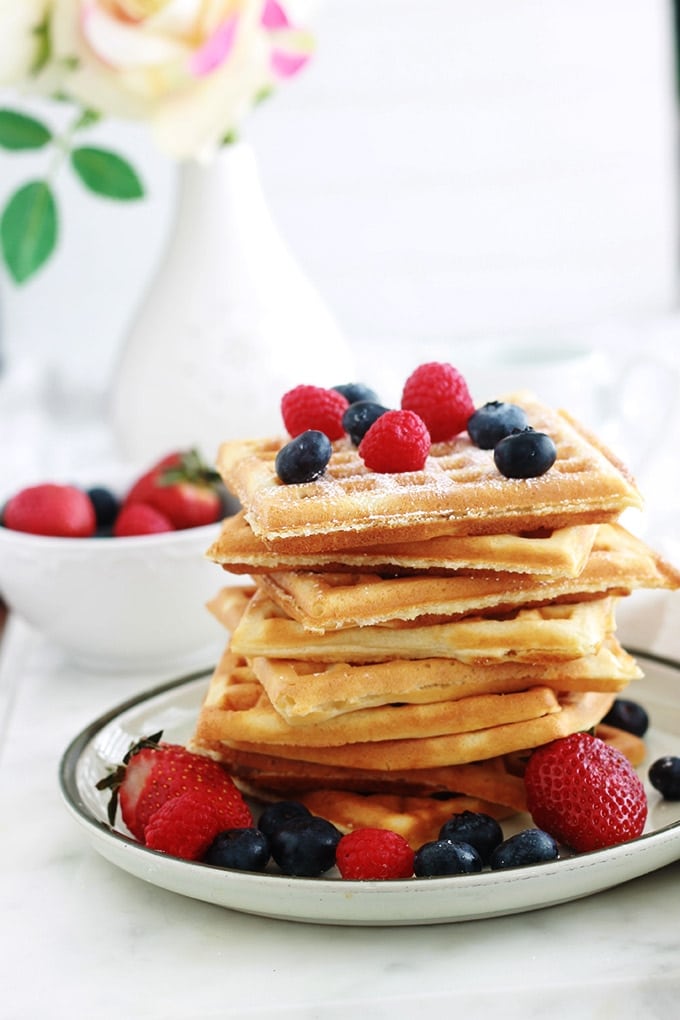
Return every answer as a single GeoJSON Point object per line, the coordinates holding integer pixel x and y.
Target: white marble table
{"type": "Point", "coordinates": [81, 938]}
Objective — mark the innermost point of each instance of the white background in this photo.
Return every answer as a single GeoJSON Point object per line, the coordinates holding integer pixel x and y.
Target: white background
{"type": "Point", "coordinates": [444, 170]}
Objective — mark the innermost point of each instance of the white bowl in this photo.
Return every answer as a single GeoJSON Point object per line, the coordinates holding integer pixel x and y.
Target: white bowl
{"type": "Point", "coordinates": [118, 604]}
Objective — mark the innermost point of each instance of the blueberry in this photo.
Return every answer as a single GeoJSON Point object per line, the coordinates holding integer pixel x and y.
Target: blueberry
{"type": "Point", "coordinates": [304, 458]}
{"type": "Point", "coordinates": [531, 846]}
{"type": "Point", "coordinates": [629, 716]}
{"type": "Point", "coordinates": [493, 422]}
{"type": "Point", "coordinates": [525, 453]}
{"type": "Point", "coordinates": [305, 846]}
{"type": "Point", "coordinates": [357, 391]}
{"type": "Point", "coordinates": [446, 857]}
{"type": "Point", "coordinates": [358, 418]}
{"type": "Point", "coordinates": [275, 815]}
{"type": "Point", "coordinates": [243, 849]}
{"type": "Point", "coordinates": [479, 830]}
{"type": "Point", "coordinates": [106, 506]}
{"type": "Point", "coordinates": [664, 775]}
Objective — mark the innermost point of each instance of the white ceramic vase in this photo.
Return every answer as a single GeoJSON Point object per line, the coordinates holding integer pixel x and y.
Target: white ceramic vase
{"type": "Point", "coordinates": [229, 323]}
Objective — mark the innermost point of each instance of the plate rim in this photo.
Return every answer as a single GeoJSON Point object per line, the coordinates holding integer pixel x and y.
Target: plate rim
{"type": "Point", "coordinates": [352, 889]}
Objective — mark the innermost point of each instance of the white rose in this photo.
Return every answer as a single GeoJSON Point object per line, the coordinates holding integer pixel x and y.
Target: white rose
{"type": "Point", "coordinates": [19, 39]}
{"type": "Point", "coordinates": [192, 68]}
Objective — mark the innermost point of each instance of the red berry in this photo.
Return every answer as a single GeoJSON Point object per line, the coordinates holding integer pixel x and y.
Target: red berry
{"type": "Point", "coordinates": [316, 408]}
{"type": "Point", "coordinates": [439, 394]}
{"type": "Point", "coordinates": [585, 793]}
{"type": "Point", "coordinates": [397, 441]}
{"type": "Point", "coordinates": [154, 772]}
{"type": "Point", "coordinates": [50, 509]}
{"type": "Point", "coordinates": [141, 519]}
{"type": "Point", "coordinates": [185, 826]}
{"type": "Point", "coordinates": [183, 488]}
{"type": "Point", "coordinates": [374, 854]}
{"type": "Point", "coordinates": [179, 773]}
{"type": "Point", "coordinates": [144, 485]}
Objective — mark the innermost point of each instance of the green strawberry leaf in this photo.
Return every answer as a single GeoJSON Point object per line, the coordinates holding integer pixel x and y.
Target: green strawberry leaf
{"type": "Point", "coordinates": [18, 131]}
{"type": "Point", "coordinates": [106, 174]}
{"type": "Point", "coordinates": [28, 229]}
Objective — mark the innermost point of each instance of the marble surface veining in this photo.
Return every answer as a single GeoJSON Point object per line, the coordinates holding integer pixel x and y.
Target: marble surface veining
{"type": "Point", "coordinates": [91, 940]}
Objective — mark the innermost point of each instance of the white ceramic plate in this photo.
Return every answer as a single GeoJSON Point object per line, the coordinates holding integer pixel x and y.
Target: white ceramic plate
{"type": "Point", "coordinates": [330, 900]}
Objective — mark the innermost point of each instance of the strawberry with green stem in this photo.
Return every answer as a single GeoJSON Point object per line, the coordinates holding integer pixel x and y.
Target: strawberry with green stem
{"type": "Point", "coordinates": [153, 773]}
{"type": "Point", "coordinates": [186, 490]}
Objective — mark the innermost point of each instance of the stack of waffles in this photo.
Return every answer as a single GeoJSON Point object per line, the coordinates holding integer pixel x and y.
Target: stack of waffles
{"type": "Point", "coordinates": [402, 641]}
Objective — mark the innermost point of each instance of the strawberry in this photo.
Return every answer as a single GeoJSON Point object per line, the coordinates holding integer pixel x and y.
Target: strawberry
{"type": "Point", "coordinates": [183, 489]}
{"type": "Point", "coordinates": [153, 772]}
{"type": "Point", "coordinates": [50, 509]}
{"type": "Point", "coordinates": [140, 519]}
{"type": "Point", "coordinates": [144, 485]}
{"type": "Point", "coordinates": [370, 853]}
{"type": "Point", "coordinates": [585, 793]}
{"type": "Point", "coordinates": [185, 826]}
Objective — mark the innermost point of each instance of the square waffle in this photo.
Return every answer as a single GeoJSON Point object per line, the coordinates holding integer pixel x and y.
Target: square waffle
{"type": "Point", "coordinates": [237, 708]}
{"type": "Point", "coordinates": [459, 491]}
{"type": "Point", "coordinates": [575, 712]}
{"type": "Point", "coordinates": [495, 781]}
{"type": "Point", "coordinates": [305, 692]}
{"type": "Point", "coordinates": [618, 564]}
{"type": "Point", "coordinates": [562, 552]}
{"type": "Point", "coordinates": [546, 634]}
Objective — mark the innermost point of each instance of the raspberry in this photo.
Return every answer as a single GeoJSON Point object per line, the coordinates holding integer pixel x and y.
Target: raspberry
{"type": "Point", "coordinates": [585, 793]}
{"type": "Point", "coordinates": [186, 825]}
{"type": "Point", "coordinates": [374, 854]}
{"type": "Point", "coordinates": [396, 441]}
{"type": "Point", "coordinates": [316, 408]}
{"type": "Point", "coordinates": [439, 394]}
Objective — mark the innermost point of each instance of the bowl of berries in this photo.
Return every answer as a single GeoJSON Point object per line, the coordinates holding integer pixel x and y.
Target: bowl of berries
{"type": "Point", "coordinates": [117, 575]}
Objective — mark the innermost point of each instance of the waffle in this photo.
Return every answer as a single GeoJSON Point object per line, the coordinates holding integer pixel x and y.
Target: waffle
{"type": "Point", "coordinates": [459, 491]}
{"type": "Point", "coordinates": [311, 692]}
{"type": "Point", "coordinates": [266, 776]}
{"type": "Point", "coordinates": [237, 708]}
{"type": "Point", "coordinates": [496, 781]}
{"type": "Point", "coordinates": [562, 552]}
{"type": "Point", "coordinates": [417, 819]}
{"type": "Point", "coordinates": [618, 564]}
{"type": "Point", "coordinates": [546, 634]}
{"type": "Point", "coordinates": [576, 712]}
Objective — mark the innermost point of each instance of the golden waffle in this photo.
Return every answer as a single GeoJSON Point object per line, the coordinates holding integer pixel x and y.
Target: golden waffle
{"type": "Point", "coordinates": [547, 634]}
{"type": "Point", "coordinates": [417, 819]}
{"type": "Point", "coordinates": [562, 552]}
{"type": "Point", "coordinates": [459, 491]}
{"type": "Point", "coordinates": [309, 692]}
{"type": "Point", "coordinates": [237, 708]}
{"type": "Point", "coordinates": [576, 712]}
{"type": "Point", "coordinates": [618, 564]}
{"type": "Point", "coordinates": [496, 781]}
{"type": "Point", "coordinates": [268, 775]}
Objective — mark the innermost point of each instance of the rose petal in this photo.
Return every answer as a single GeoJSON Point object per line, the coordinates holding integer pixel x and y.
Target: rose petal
{"type": "Point", "coordinates": [122, 44]}
{"type": "Point", "coordinates": [274, 16]}
{"type": "Point", "coordinates": [215, 50]}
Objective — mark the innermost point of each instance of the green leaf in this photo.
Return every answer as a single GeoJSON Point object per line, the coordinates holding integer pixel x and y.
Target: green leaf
{"type": "Point", "coordinates": [28, 229]}
{"type": "Point", "coordinates": [18, 131]}
{"type": "Point", "coordinates": [106, 174]}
